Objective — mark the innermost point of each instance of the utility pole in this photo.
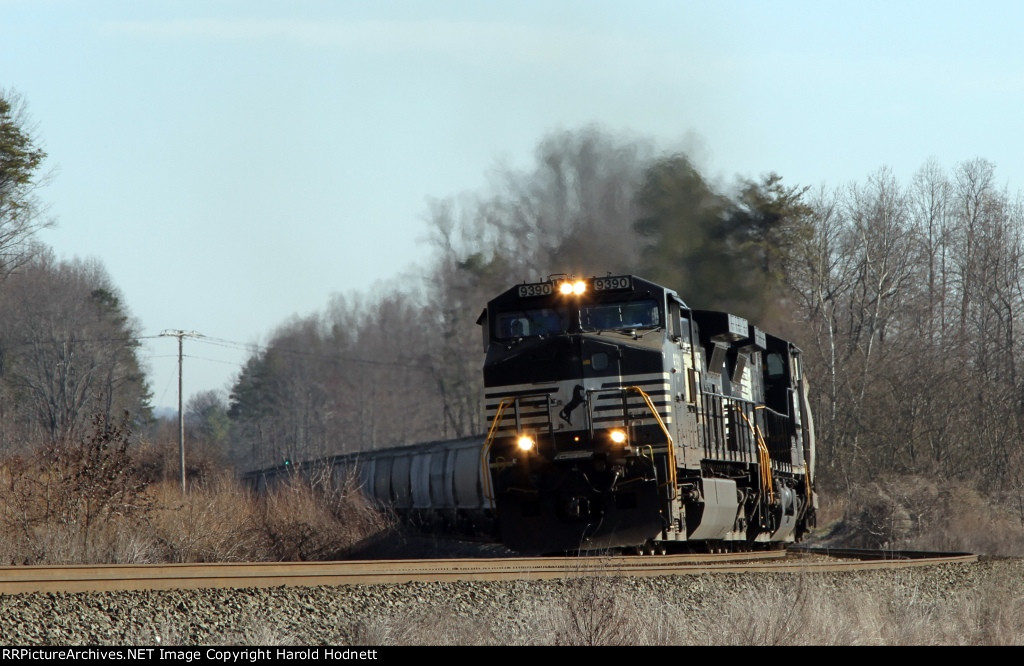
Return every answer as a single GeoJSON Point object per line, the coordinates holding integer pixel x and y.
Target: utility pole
{"type": "Point", "coordinates": [181, 335]}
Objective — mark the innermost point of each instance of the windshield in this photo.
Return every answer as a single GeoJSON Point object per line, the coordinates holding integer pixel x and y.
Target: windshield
{"type": "Point", "coordinates": [619, 316]}
{"type": "Point", "coordinates": [539, 322]}
{"type": "Point", "coordinates": [530, 323]}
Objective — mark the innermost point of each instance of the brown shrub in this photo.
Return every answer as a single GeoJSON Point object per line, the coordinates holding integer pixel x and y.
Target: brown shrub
{"type": "Point", "coordinates": [596, 610]}
{"type": "Point", "coordinates": [321, 517]}
{"type": "Point", "coordinates": [160, 460]}
{"type": "Point", "coordinates": [218, 520]}
{"type": "Point", "coordinates": [916, 513]}
{"type": "Point", "coordinates": [91, 502]}
{"type": "Point", "coordinates": [69, 502]}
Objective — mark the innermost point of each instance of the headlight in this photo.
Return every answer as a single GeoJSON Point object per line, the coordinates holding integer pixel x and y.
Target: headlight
{"type": "Point", "coordinates": [576, 288]}
{"type": "Point", "coordinates": [617, 436]}
{"type": "Point", "coordinates": [525, 443]}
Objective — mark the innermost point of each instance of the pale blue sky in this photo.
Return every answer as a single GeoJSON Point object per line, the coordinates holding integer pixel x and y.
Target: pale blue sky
{"type": "Point", "coordinates": [235, 162]}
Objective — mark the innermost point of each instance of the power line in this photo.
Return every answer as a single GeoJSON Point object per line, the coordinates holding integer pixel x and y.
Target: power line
{"type": "Point", "coordinates": [229, 344]}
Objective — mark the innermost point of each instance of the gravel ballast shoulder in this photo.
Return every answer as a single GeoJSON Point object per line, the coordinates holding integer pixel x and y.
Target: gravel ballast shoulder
{"type": "Point", "coordinates": [516, 612]}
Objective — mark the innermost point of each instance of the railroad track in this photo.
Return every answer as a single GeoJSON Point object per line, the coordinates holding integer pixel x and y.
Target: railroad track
{"type": "Point", "coordinates": [88, 578]}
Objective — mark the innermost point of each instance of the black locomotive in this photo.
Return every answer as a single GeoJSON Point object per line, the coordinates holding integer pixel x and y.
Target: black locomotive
{"type": "Point", "coordinates": [621, 417]}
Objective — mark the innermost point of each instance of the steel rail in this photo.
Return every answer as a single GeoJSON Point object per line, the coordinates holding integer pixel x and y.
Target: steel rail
{"type": "Point", "coordinates": [93, 578]}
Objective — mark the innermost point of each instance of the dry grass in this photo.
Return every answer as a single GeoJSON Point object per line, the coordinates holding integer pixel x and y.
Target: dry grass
{"type": "Point", "coordinates": [602, 611]}
{"type": "Point", "coordinates": [216, 521]}
{"type": "Point", "coordinates": [90, 502]}
{"type": "Point", "coordinates": [69, 502]}
{"type": "Point", "coordinates": [425, 627]}
{"type": "Point", "coordinates": [595, 610]}
{"type": "Point", "coordinates": [319, 518]}
{"type": "Point", "coordinates": [915, 513]}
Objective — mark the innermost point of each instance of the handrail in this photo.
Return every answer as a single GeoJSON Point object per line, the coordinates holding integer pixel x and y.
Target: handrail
{"type": "Point", "coordinates": [764, 459]}
{"type": "Point", "coordinates": [668, 436]}
{"type": "Point", "coordinates": [485, 450]}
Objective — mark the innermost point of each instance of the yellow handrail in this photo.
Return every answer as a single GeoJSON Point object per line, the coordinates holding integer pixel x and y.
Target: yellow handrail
{"type": "Point", "coordinates": [485, 450]}
{"type": "Point", "coordinates": [668, 436]}
{"type": "Point", "coordinates": [763, 457]}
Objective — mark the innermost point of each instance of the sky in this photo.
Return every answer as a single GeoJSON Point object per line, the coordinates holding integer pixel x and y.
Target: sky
{"type": "Point", "coordinates": [237, 163]}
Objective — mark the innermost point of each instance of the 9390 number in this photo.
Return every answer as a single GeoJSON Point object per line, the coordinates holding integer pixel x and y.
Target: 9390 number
{"type": "Point", "coordinates": [539, 289]}
{"type": "Point", "coordinates": [608, 283]}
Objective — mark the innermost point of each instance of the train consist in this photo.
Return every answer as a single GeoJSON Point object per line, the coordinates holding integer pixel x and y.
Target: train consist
{"type": "Point", "coordinates": [619, 418]}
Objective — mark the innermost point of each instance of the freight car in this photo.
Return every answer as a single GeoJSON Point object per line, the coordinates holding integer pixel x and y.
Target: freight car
{"type": "Point", "coordinates": [619, 418]}
{"type": "Point", "coordinates": [436, 486]}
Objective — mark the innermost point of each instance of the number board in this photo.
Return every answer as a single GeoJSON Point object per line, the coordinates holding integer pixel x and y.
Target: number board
{"type": "Point", "coordinates": [536, 289]}
{"type": "Point", "coordinates": [610, 283]}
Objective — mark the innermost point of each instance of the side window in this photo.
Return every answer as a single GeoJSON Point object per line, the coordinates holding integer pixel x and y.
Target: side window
{"type": "Point", "coordinates": [775, 365]}
{"type": "Point", "coordinates": [673, 320]}
{"type": "Point", "coordinates": [484, 328]}
{"type": "Point", "coordinates": [642, 313]}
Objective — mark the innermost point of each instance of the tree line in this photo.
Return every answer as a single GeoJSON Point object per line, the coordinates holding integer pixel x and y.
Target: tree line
{"type": "Point", "coordinates": [67, 342]}
{"type": "Point", "coordinates": [905, 296]}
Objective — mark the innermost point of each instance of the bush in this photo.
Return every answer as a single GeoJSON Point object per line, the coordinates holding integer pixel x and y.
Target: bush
{"type": "Point", "coordinates": [321, 517]}
{"type": "Point", "coordinates": [70, 501]}
{"type": "Point", "coordinates": [916, 513]}
{"type": "Point", "coordinates": [91, 502]}
{"type": "Point", "coordinates": [216, 521]}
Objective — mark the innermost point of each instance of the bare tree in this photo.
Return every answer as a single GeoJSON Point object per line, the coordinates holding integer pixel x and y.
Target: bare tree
{"type": "Point", "coordinates": [279, 403]}
{"type": "Point", "coordinates": [820, 276]}
{"type": "Point", "coordinates": [854, 276]}
{"type": "Point", "coordinates": [69, 350]}
{"type": "Point", "coordinates": [913, 299]}
{"type": "Point", "coordinates": [931, 200]}
{"type": "Point", "coordinates": [349, 380]}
